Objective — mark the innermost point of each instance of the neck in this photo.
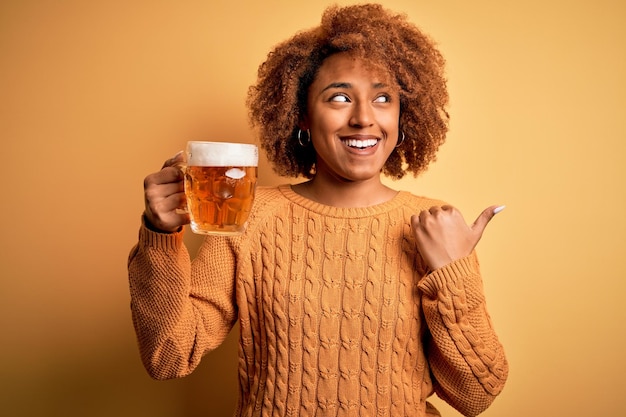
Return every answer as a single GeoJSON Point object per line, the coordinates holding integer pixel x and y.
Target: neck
{"type": "Point", "coordinates": [345, 194]}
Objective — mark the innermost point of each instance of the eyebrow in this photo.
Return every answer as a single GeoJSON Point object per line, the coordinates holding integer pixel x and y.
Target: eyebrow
{"type": "Point", "coordinates": [348, 85]}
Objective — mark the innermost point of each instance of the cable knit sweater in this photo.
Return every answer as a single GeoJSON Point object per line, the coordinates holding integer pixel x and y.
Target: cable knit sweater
{"type": "Point", "coordinates": [337, 314]}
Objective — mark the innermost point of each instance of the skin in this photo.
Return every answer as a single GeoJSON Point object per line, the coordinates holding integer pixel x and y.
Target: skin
{"type": "Point", "coordinates": [164, 195]}
{"type": "Point", "coordinates": [348, 104]}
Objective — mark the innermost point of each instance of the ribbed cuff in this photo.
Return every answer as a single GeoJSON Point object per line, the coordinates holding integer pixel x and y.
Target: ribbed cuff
{"type": "Point", "coordinates": [454, 271]}
{"type": "Point", "coordinates": [158, 240]}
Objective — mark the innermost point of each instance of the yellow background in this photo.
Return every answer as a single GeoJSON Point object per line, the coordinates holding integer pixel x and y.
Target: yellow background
{"type": "Point", "coordinates": [94, 95]}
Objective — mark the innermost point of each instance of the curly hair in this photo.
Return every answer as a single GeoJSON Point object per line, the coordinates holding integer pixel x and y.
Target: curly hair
{"type": "Point", "coordinates": [277, 102]}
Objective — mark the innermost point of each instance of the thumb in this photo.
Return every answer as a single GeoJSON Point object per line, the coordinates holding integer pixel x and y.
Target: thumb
{"type": "Point", "coordinates": [175, 160]}
{"type": "Point", "coordinates": [485, 217]}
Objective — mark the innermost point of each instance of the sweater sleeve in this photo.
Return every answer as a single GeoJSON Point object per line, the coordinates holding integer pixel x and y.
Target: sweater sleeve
{"type": "Point", "coordinates": [465, 356]}
{"type": "Point", "coordinates": [180, 310]}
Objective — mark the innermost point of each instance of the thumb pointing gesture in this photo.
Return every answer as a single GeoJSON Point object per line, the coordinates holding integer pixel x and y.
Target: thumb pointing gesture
{"type": "Point", "coordinates": [483, 219]}
{"type": "Point", "coordinates": [442, 236]}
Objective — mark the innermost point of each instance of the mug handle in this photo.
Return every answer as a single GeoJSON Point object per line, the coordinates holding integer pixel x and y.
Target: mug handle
{"type": "Point", "coordinates": [182, 167]}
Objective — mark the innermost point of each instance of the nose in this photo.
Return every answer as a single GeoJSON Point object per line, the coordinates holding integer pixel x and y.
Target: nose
{"type": "Point", "coordinates": [362, 115]}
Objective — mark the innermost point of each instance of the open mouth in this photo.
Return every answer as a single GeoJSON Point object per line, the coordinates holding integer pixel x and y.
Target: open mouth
{"type": "Point", "coordinates": [360, 143]}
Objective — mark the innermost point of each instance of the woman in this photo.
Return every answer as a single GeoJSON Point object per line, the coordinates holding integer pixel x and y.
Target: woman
{"type": "Point", "coordinates": [352, 298]}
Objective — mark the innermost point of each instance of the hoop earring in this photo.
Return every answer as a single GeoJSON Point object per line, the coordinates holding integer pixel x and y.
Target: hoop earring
{"type": "Point", "coordinates": [401, 140]}
{"type": "Point", "coordinates": [308, 139]}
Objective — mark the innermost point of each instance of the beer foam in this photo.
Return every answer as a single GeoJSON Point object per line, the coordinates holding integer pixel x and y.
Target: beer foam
{"type": "Point", "coordinates": [222, 154]}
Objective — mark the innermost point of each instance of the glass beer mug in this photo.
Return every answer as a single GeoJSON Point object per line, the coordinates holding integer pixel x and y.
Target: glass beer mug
{"type": "Point", "coordinates": [220, 181]}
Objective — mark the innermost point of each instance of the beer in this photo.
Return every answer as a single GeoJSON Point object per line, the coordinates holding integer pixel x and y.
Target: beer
{"type": "Point", "coordinates": [220, 181]}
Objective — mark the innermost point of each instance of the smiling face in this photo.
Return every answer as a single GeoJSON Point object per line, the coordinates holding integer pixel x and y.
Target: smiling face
{"type": "Point", "coordinates": [353, 115]}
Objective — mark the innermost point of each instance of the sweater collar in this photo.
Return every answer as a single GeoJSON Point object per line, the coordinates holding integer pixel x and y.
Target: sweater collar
{"type": "Point", "coordinates": [353, 212]}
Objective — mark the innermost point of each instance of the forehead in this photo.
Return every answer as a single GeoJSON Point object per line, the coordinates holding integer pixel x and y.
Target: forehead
{"type": "Point", "coordinates": [342, 67]}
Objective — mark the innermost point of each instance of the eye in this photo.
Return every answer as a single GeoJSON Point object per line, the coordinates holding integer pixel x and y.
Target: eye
{"type": "Point", "coordinates": [383, 98]}
{"type": "Point", "coordinates": [340, 98]}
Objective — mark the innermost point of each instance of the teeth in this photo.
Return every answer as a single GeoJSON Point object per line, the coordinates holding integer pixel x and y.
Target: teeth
{"type": "Point", "coordinates": [358, 143]}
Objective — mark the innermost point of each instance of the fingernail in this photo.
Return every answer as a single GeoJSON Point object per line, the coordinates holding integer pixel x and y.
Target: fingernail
{"type": "Point", "coordinates": [498, 209]}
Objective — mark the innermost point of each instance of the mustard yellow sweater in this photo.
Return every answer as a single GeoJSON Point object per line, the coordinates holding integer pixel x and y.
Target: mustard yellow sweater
{"type": "Point", "coordinates": [337, 315]}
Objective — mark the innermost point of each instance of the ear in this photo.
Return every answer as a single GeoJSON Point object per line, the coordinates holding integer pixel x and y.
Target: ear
{"type": "Point", "coordinates": [303, 123]}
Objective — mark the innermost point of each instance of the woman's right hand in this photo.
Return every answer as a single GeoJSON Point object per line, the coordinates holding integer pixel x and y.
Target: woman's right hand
{"type": "Point", "coordinates": [164, 194]}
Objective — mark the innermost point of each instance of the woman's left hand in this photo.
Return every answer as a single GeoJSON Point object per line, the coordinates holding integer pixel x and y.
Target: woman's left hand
{"type": "Point", "coordinates": [442, 236]}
